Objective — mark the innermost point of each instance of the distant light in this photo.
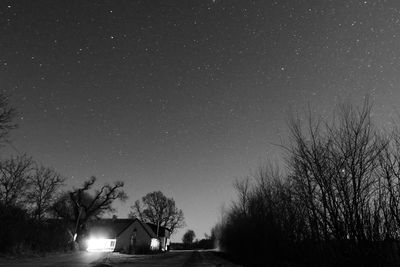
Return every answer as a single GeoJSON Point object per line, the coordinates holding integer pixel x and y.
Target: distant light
{"type": "Point", "coordinates": [155, 244]}
{"type": "Point", "coordinates": [100, 244]}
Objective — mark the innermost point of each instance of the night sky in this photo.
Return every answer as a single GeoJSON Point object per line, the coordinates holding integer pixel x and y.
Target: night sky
{"type": "Point", "coordinates": [185, 96]}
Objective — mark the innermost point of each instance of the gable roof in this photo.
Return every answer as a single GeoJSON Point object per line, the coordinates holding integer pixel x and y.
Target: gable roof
{"type": "Point", "coordinates": [109, 228]}
{"type": "Point", "coordinates": [148, 229]}
{"type": "Point", "coordinates": [162, 231]}
{"type": "Point", "coordinates": [112, 228]}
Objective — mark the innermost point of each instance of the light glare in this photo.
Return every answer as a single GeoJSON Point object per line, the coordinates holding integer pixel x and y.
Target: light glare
{"type": "Point", "coordinates": [101, 244]}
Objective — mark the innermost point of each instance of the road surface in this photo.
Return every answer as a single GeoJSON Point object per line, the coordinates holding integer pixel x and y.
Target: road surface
{"type": "Point", "coordinates": [78, 259]}
{"type": "Point", "coordinates": [90, 259]}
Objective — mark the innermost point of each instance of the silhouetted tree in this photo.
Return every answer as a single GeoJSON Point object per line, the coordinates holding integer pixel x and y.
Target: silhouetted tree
{"type": "Point", "coordinates": [14, 179]}
{"type": "Point", "coordinates": [14, 227]}
{"type": "Point", "coordinates": [79, 205]}
{"type": "Point", "coordinates": [188, 237]}
{"type": "Point", "coordinates": [7, 115]}
{"type": "Point", "coordinates": [337, 204]}
{"type": "Point", "coordinates": [388, 189]}
{"type": "Point", "coordinates": [19, 199]}
{"type": "Point", "coordinates": [156, 208]}
{"type": "Point", "coordinates": [43, 186]}
{"type": "Point", "coordinates": [334, 172]}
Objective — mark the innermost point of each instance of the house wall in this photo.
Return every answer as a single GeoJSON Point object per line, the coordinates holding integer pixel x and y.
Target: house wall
{"type": "Point", "coordinates": [129, 241]}
{"type": "Point", "coordinates": [162, 242]}
{"type": "Point", "coordinates": [165, 241]}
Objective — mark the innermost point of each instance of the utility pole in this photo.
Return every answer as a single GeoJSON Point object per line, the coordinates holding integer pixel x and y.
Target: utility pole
{"type": "Point", "coordinates": [158, 226]}
{"type": "Point", "coordinates": [77, 223]}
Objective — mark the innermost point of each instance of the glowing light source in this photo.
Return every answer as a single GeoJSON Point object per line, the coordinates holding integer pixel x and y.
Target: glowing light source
{"type": "Point", "coordinates": [101, 244]}
{"type": "Point", "coordinates": [155, 244]}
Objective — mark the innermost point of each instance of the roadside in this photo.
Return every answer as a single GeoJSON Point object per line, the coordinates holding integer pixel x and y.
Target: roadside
{"type": "Point", "coordinates": [75, 259]}
{"type": "Point", "coordinates": [166, 259]}
{"type": "Point", "coordinates": [92, 259]}
{"type": "Point", "coordinates": [173, 258]}
{"type": "Point", "coordinates": [207, 258]}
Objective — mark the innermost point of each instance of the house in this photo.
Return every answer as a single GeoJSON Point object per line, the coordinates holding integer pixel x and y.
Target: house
{"type": "Point", "coordinates": [126, 235]}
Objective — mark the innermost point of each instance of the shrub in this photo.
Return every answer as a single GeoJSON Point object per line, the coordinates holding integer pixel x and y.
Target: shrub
{"type": "Point", "coordinates": [19, 233]}
{"type": "Point", "coordinates": [336, 205]}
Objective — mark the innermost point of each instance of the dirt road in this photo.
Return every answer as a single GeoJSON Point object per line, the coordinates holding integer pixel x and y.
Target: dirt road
{"type": "Point", "coordinates": [86, 259]}
{"type": "Point", "coordinates": [172, 259]}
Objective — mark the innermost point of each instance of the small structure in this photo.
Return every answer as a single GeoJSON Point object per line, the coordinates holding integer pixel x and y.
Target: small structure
{"type": "Point", "coordinates": [126, 235]}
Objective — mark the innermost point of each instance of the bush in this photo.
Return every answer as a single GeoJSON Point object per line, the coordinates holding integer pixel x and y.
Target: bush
{"type": "Point", "coordinates": [14, 227]}
{"type": "Point", "coordinates": [21, 234]}
{"type": "Point", "coordinates": [337, 204]}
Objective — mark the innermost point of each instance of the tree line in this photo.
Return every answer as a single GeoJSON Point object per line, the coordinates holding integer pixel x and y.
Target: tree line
{"type": "Point", "coordinates": [38, 215]}
{"type": "Point", "coordinates": [335, 203]}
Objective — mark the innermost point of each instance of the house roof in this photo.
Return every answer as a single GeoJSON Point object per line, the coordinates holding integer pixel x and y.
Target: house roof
{"type": "Point", "coordinates": [151, 229]}
{"type": "Point", "coordinates": [109, 228]}
{"type": "Point", "coordinates": [148, 229]}
{"type": "Point", "coordinates": [162, 231]}
{"type": "Point", "coordinates": [112, 228]}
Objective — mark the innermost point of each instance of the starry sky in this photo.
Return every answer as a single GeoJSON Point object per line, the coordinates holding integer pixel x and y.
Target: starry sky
{"type": "Point", "coordinates": [185, 96]}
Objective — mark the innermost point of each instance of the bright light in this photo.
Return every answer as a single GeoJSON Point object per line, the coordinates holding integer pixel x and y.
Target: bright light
{"type": "Point", "coordinates": [101, 244]}
{"type": "Point", "coordinates": [155, 244]}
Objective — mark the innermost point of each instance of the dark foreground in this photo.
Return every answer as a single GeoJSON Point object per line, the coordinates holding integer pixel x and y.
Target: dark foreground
{"type": "Point", "coordinates": [81, 259]}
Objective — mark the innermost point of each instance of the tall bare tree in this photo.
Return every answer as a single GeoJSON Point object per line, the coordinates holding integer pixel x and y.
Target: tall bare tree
{"type": "Point", "coordinates": [334, 170]}
{"type": "Point", "coordinates": [340, 196]}
{"type": "Point", "coordinates": [156, 208]}
{"type": "Point", "coordinates": [43, 186]}
{"type": "Point", "coordinates": [80, 205]}
{"type": "Point", "coordinates": [14, 179]}
{"type": "Point", "coordinates": [13, 171]}
{"type": "Point", "coordinates": [389, 187]}
{"type": "Point", "coordinates": [7, 115]}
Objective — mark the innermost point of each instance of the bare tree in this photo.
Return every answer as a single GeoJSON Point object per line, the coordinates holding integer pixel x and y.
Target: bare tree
{"type": "Point", "coordinates": [13, 172]}
{"type": "Point", "coordinates": [334, 171]}
{"type": "Point", "coordinates": [340, 195]}
{"type": "Point", "coordinates": [14, 177]}
{"type": "Point", "coordinates": [242, 188]}
{"type": "Point", "coordinates": [389, 187]}
{"type": "Point", "coordinates": [44, 184]}
{"type": "Point", "coordinates": [156, 208]}
{"type": "Point", "coordinates": [80, 205]}
{"type": "Point", "coordinates": [7, 114]}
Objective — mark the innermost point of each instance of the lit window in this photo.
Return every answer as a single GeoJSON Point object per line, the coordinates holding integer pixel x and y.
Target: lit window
{"type": "Point", "coordinates": [155, 244]}
{"type": "Point", "coordinates": [100, 244]}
